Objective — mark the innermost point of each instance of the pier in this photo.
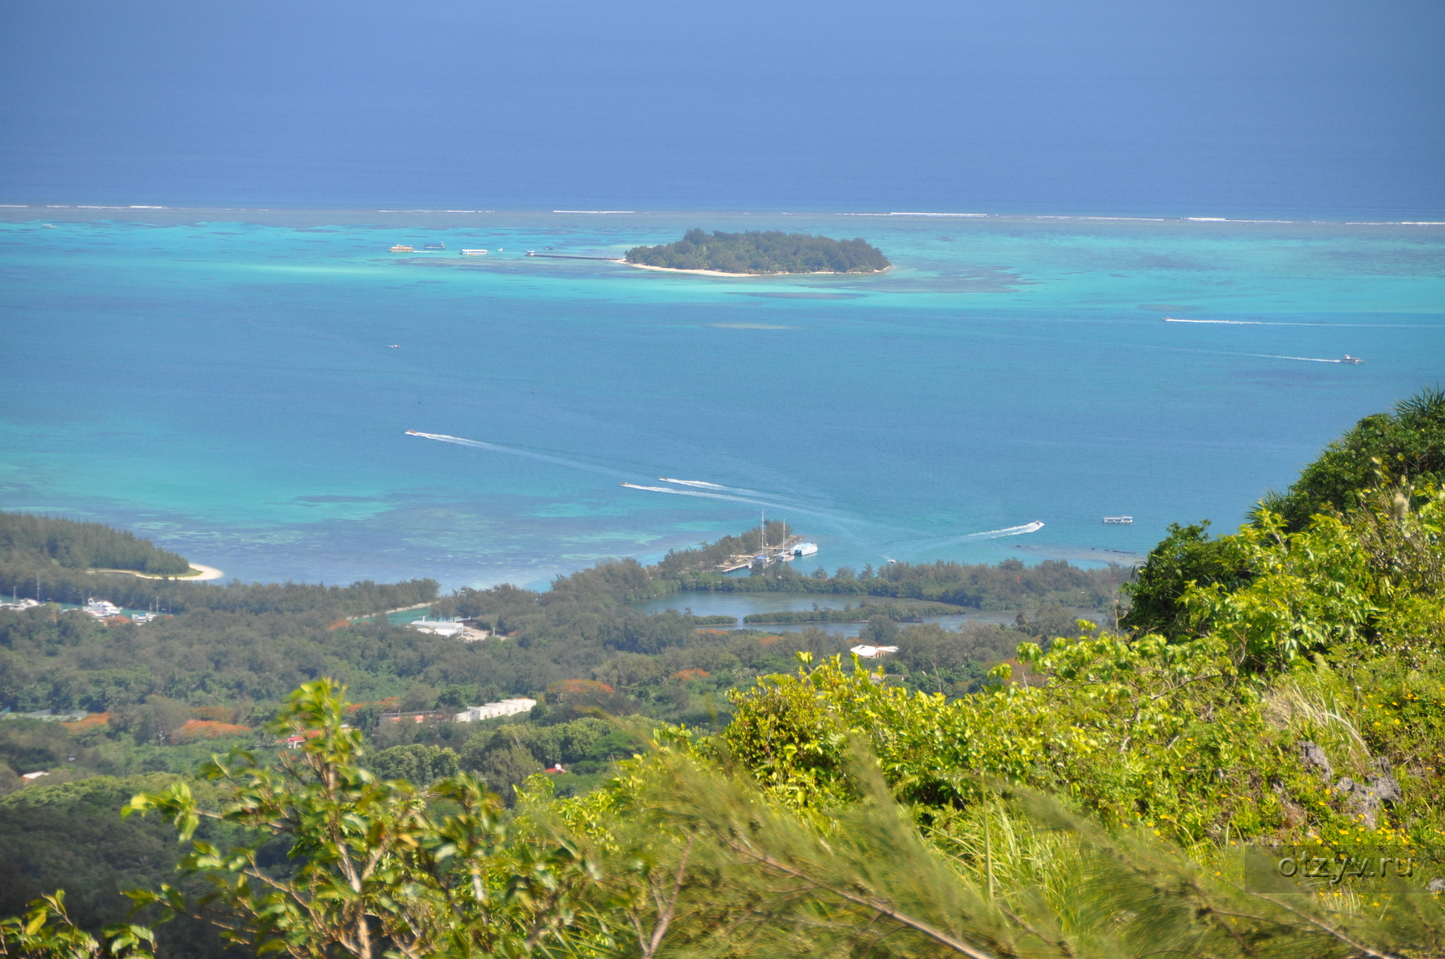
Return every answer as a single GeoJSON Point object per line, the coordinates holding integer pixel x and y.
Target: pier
{"type": "Point", "coordinates": [782, 553]}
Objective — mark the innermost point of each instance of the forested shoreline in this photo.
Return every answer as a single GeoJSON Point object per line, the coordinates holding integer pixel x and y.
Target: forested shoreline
{"type": "Point", "coordinates": [46, 540]}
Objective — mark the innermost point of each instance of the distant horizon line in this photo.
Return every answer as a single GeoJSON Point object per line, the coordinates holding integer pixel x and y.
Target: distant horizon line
{"type": "Point", "coordinates": [534, 211]}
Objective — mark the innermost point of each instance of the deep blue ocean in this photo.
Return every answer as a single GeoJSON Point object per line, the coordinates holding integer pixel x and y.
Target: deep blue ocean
{"type": "Point", "coordinates": [238, 385]}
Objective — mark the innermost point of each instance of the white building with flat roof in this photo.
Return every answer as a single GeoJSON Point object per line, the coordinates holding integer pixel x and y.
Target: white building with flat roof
{"type": "Point", "coordinates": [872, 652]}
{"type": "Point", "coordinates": [439, 627]}
{"type": "Point", "coordinates": [507, 707]}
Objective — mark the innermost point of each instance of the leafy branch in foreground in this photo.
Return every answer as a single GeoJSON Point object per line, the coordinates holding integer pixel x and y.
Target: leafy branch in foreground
{"type": "Point", "coordinates": [46, 931]}
{"type": "Point", "coordinates": [375, 871]}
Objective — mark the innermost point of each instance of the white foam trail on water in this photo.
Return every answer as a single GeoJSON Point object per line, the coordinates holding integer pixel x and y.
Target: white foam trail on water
{"type": "Point", "coordinates": [724, 496]}
{"type": "Point", "coordinates": [514, 451]}
{"type": "Point", "coordinates": [841, 519]}
{"type": "Point", "coordinates": [1302, 359]}
{"type": "Point", "coordinates": [735, 499]}
{"type": "Point", "coordinates": [1317, 326]}
{"type": "Point", "coordinates": [1170, 319]}
{"type": "Point", "coordinates": [703, 484]}
{"type": "Point", "coordinates": [1033, 527]}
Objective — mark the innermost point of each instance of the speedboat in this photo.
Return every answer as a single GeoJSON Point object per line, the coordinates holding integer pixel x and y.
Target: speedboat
{"type": "Point", "coordinates": [1351, 359]}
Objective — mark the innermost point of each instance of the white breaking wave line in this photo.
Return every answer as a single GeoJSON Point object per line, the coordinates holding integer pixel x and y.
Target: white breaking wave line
{"type": "Point", "coordinates": [514, 451]}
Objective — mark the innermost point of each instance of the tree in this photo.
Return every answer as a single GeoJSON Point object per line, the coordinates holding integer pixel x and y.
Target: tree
{"type": "Point", "coordinates": [1405, 446]}
{"type": "Point", "coordinates": [156, 719]}
{"type": "Point", "coordinates": [417, 764]}
{"type": "Point", "coordinates": [1185, 557]}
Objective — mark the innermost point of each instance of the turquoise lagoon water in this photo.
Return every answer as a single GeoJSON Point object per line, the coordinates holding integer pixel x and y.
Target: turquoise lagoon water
{"type": "Point", "coordinates": [225, 382]}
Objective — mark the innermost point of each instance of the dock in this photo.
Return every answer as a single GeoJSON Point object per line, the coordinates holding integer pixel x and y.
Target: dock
{"type": "Point", "coordinates": [782, 553]}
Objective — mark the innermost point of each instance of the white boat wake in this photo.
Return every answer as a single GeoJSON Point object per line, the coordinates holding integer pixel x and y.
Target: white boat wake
{"type": "Point", "coordinates": [515, 451]}
{"type": "Point", "coordinates": [1033, 527]}
{"type": "Point", "coordinates": [707, 495]}
{"type": "Point", "coordinates": [709, 490]}
{"type": "Point", "coordinates": [703, 484]}
{"type": "Point", "coordinates": [1318, 326]}
{"type": "Point", "coordinates": [1170, 319]}
{"type": "Point", "coordinates": [1301, 359]}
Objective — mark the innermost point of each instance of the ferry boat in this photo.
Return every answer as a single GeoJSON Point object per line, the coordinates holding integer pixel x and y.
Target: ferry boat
{"type": "Point", "coordinates": [474, 253]}
{"type": "Point", "coordinates": [1119, 520]}
{"type": "Point", "coordinates": [1351, 359]}
{"type": "Point", "coordinates": [403, 248]}
{"type": "Point", "coordinates": [805, 549]}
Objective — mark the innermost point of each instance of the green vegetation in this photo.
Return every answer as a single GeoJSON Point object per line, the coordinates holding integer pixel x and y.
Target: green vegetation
{"type": "Point", "coordinates": [1093, 794]}
{"type": "Point", "coordinates": [1405, 448]}
{"type": "Point", "coordinates": [759, 252]}
{"type": "Point", "coordinates": [46, 540]}
{"type": "Point", "coordinates": [848, 614]}
{"type": "Point", "coordinates": [1007, 585]}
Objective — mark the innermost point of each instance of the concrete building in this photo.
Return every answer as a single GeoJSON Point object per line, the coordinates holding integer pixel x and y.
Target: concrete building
{"type": "Point", "coordinates": [507, 707]}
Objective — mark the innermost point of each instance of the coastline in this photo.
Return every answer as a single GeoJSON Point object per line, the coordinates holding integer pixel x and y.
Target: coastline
{"type": "Point", "coordinates": [670, 269]}
{"type": "Point", "coordinates": [203, 573]}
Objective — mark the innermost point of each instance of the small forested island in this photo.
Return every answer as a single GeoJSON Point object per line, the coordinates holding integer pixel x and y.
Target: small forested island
{"type": "Point", "coordinates": [760, 252]}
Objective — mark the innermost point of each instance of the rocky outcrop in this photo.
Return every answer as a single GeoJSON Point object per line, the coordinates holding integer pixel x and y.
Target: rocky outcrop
{"type": "Point", "coordinates": [1363, 799]}
{"type": "Point", "coordinates": [1314, 758]}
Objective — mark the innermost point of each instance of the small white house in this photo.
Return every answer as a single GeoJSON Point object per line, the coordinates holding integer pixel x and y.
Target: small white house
{"type": "Point", "coordinates": [507, 707]}
{"type": "Point", "coordinates": [873, 652]}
